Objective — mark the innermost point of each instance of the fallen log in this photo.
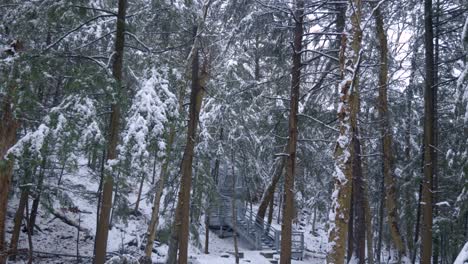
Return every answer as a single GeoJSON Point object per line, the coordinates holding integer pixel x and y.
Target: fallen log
{"type": "Point", "coordinates": [35, 252]}
{"type": "Point", "coordinates": [66, 220]}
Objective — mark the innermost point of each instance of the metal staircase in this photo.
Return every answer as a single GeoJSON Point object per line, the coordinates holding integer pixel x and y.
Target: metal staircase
{"type": "Point", "coordinates": [256, 232]}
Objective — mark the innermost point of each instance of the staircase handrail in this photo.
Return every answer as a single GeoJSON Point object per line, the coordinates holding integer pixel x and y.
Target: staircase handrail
{"type": "Point", "coordinates": [261, 224]}
{"type": "Point", "coordinates": [257, 227]}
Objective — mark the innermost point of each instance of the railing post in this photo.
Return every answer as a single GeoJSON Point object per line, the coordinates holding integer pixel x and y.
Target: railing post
{"type": "Point", "coordinates": [302, 245]}
{"type": "Point", "coordinates": [257, 246]}
{"type": "Point", "coordinates": [277, 238]}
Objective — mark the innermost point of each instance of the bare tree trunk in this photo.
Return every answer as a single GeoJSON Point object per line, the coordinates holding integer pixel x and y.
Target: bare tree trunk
{"type": "Point", "coordinates": [409, 97]}
{"type": "Point", "coordinates": [17, 223]}
{"type": "Point", "coordinates": [8, 127]}
{"type": "Point", "coordinates": [234, 212]}
{"type": "Point", "coordinates": [94, 157]}
{"type": "Point", "coordinates": [280, 205]}
{"type": "Point", "coordinates": [381, 219]}
{"type": "Point", "coordinates": [314, 220]}
{"type": "Point", "coordinates": [344, 149]}
{"type": "Point", "coordinates": [140, 189]}
{"type": "Point", "coordinates": [358, 213]}
{"type": "Point", "coordinates": [270, 214]}
{"type": "Point", "coordinates": [207, 232]}
{"type": "Point", "coordinates": [195, 199]}
{"type": "Point", "coordinates": [367, 209]}
{"type": "Point", "coordinates": [426, 227]}
{"type": "Point", "coordinates": [78, 260]}
{"type": "Point", "coordinates": [180, 233]}
{"type": "Point", "coordinates": [435, 184]}
{"type": "Point", "coordinates": [369, 236]}
{"type": "Point", "coordinates": [153, 225]}
{"type": "Point", "coordinates": [116, 196]}
{"type": "Point", "coordinates": [215, 175]}
{"type": "Point", "coordinates": [154, 222]}
{"type": "Point", "coordinates": [387, 141]}
{"type": "Point", "coordinates": [61, 173]}
{"type": "Point", "coordinates": [196, 99]}
{"type": "Point", "coordinates": [29, 230]}
{"type": "Point", "coordinates": [350, 243]}
{"type": "Point", "coordinates": [153, 175]}
{"type": "Point", "coordinates": [359, 234]}
{"type": "Point", "coordinates": [37, 195]}
{"type": "Point", "coordinates": [288, 212]}
{"type": "Point", "coordinates": [107, 192]}
{"type": "Point", "coordinates": [418, 224]}
{"type": "Point", "coordinates": [270, 191]}
{"type": "Point", "coordinates": [108, 181]}
{"type": "Point", "coordinates": [99, 195]}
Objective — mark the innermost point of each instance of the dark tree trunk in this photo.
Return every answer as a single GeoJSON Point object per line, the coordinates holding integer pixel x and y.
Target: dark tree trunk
{"type": "Point", "coordinates": [196, 98]}
{"type": "Point", "coordinates": [207, 232]}
{"type": "Point", "coordinates": [153, 225]}
{"type": "Point", "coordinates": [270, 213]}
{"type": "Point", "coordinates": [358, 212]}
{"type": "Point", "coordinates": [8, 128]}
{"type": "Point", "coordinates": [359, 234]}
{"type": "Point", "coordinates": [350, 243]}
{"type": "Point", "coordinates": [108, 181]}
{"type": "Point", "coordinates": [409, 191]}
{"type": "Point", "coordinates": [288, 212]}
{"type": "Point", "coordinates": [280, 205]}
{"type": "Point", "coordinates": [427, 191]}
{"type": "Point", "coordinates": [37, 195]}
{"type": "Point", "coordinates": [180, 232]}
{"type": "Point", "coordinates": [99, 195]}
{"type": "Point", "coordinates": [17, 223]}
{"type": "Point", "coordinates": [381, 219]}
{"type": "Point", "coordinates": [215, 175]}
{"type": "Point", "coordinates": [418, 224]}
{"type": "Point", "coordinates": [140, 189]}
{"type": "Point", "coordinates": [387, 140]}
{"type": "Point", "coordinates": [270, 191]}
{"type": "Point", "coordinates": [435, 185]}
{"type": "Point", "coordinates": [234, 212]}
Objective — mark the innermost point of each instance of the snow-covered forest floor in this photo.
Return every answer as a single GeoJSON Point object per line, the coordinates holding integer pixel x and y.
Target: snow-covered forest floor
{"type": "Point", "coordinates": [122, 121]}
{"type": "Point", "coordinates": [55, 241]}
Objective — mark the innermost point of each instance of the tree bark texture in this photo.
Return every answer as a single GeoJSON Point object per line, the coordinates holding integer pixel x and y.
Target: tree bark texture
{"type": "Point", "coordinates": [107, 191]}
{"type": "Point", "coordinates": [359, 234]}
{"type": "Point", "coordinates": [270, 191]}
{"type": "Point", "coordinates": [8, 128]}
{"type": "Point", "coordinates": [153, 225]}
{"type": "Point", "coordinates": [180, 232]}
{"type": "Point", "coordinates": [288, 211]}
{"type": "Point", "coordinates": [17, 223]}
{"type": "Point", "coordinates": [347, 116]}
{"type": "Point", "coordinates": [38, 191]}
{"type": "Point", "coordinates": [428, 163]}
{"type": "Point", "coordinates": [140, 189]}
{"type": "Point", "coordinates": [387, 140]}
{"type": "Point", "coordinates": [196, 99]}
{"type": "Point", "coordinates": [234, 210]}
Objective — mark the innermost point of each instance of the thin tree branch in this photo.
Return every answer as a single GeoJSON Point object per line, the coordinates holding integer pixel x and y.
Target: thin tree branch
{"type": "Point", "coordinates": [74, 30]}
